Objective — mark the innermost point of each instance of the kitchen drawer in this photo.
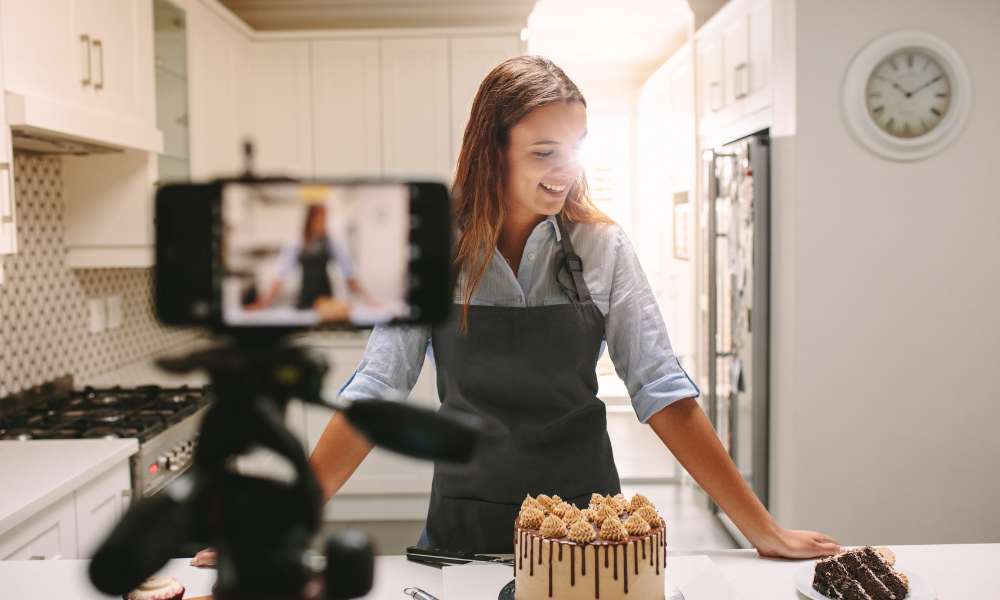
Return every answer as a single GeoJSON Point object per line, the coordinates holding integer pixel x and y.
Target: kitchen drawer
{"type": "Point", "coordinates": [50, 534]}
{"type": "Point", "coordinates": [100, 504]}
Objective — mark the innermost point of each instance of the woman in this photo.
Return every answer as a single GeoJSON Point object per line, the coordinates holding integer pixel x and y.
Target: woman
{"type": "Point", "coordinates": [544, 279]}
{"type": "Point", "coordinates": [522, 347]}
{"type": "Point", "coordinates": [311, 254]}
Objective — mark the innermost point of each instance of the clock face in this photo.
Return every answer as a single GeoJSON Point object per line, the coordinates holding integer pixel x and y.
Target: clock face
{"type": "Point", "coordinates": [908, 93]}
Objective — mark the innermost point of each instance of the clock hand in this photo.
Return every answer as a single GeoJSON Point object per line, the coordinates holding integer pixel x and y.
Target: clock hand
{"type": "Point", "coordinates": [895, 85]}
{"type": "Point", "coordinates": [929, 83]}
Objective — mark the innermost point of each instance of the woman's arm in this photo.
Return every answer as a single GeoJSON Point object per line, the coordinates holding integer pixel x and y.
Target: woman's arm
{"type": "Point", "coordinates": [686, 431]}
{"type": "Point", "coordinates": [337, 455]}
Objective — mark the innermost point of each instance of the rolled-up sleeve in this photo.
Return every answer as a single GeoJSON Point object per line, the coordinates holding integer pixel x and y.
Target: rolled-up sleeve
{"type": "Point", "coordinates": [637, 339]}
{"type": "Point", "coordinates": [390, 365]}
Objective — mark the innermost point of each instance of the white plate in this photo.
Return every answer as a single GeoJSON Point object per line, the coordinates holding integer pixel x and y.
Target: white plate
{"type": "Point", "coordinates": [919, 588]}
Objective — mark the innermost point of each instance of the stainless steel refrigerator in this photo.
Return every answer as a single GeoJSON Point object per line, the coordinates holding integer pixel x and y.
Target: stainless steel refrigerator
{"type": "Point", "coordinates": [735, 313]}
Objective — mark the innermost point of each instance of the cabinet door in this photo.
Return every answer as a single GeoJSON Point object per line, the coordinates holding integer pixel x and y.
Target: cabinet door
{"type": "Point", "coordinates": [759, 77]}
{"type": "Point", "coordinates": [347, 121]}
{"type": "Point", "coordinates": [120, 54]}
{"type": "Point", "coordinates": [8, 221]}
{"type": "Point", "coordinates": [217, 55]}
{"type": "Point", "coordinates": [415, 108]}
{"type": "Point", "coordinates": [109, 209]}
{"type": "Point", "coordinates": [43, 54]}
{"type": "Point", "coordinates": [711, 86]}
{"type": "Point", "coordinates": [99, 506]}
{"type": "Point", "coordinates": [735, 59]}
{"type": "Point", "coordinates": [50, 534]}
{"type": "Point", "coordinates": [278, 98]}
{"type": "Point", "coordinates": [471, 60]}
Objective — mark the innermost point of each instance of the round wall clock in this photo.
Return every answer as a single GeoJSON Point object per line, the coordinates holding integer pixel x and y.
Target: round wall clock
{"type": "Point", "coordinates": [906, 95]}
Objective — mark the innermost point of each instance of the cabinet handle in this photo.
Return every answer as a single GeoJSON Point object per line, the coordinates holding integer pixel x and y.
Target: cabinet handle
{"type": "Point", "coordinates": [714, 90]}
{"type": "Point", "coordinates": [126, 500]}
{"type": "Point", "coordinates": [741, 91]}
{"type": "Point", "coordinates": [99, 47]}
{"type": "Point", "coordinates": [85, 40]}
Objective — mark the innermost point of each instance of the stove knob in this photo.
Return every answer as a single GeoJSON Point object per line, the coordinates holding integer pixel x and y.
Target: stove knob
{"type": "Point", "coordinates": [161, 462]}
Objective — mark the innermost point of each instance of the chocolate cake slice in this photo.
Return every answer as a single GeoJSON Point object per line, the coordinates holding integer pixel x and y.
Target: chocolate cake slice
{"type": "Point", "coordinates": [864, 574]}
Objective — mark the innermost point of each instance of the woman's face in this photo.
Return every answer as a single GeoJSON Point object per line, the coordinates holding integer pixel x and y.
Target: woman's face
{"type": "Point", "coordinates": [317, 222]}
{"type": "Point", "coordinates": [542, 158]}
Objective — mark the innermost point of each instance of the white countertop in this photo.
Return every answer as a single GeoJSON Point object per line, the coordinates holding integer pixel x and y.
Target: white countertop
{"type": "Point", "coordinates": [957, 572]}
{"type": "Point", "coordinates": [39, 472]}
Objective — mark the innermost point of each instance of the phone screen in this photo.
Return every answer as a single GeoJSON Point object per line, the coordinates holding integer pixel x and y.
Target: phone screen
{"type": "Point", "coordinates": [298, 255]}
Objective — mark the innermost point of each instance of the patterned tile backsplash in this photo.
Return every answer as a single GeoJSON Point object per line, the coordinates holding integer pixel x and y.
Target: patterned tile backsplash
{"type": "Point", "coordinates": [43, 303]}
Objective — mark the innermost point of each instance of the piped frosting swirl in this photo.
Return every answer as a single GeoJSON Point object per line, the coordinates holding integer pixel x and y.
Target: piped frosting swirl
{"type": "Point", "coordinates": [636, 525]}
{"type": "Point", "coordinates": [531, 518]}
{"type": "Point", "coordinates": [613, 530]}
{"type": "Point", "coordinates": [553, 527]}
{"type": "Point", "coordinates": [582, 532]}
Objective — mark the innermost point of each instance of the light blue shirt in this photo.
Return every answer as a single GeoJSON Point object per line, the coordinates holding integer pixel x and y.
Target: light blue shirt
{"type": "Point", "coordinates": [635, 334]}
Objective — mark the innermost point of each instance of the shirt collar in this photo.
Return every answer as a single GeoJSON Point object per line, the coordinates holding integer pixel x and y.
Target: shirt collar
{"type": "Point", "coordinates": [555, 227]}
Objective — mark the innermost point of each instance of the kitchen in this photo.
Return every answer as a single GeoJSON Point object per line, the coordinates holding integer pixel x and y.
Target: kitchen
{"type": "Point", "coordinates": [878, 278]}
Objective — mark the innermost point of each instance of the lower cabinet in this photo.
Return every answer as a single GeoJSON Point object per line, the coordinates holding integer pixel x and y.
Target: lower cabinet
{"type": "Point", "coordinates": [100, 504]}
{"type": "Point", "coordinates": [47, 535]}
{"type": "Point", "coordinates": [74, 525]}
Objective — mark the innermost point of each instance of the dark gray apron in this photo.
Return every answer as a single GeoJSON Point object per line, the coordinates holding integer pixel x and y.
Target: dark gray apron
{"type": "Point", "coordinates": [313, 259]}
{"type": "Point", "coordinates": [530, 373]}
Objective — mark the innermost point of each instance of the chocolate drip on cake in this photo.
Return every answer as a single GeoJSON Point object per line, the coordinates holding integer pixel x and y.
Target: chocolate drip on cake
{"type": "Point", "coordinates": [597, 575]}
{"type": "Point", "coordinates": [605, 557]}
{"type": "Point", "coordinates": [560, 552]}
{"type": "Point", "coordinates": [657, 554]}
{"type": "Point", "coordinates": [550, 568]}
{"type": "Point", "coordinates": [625, 565]}
{"type": "Point", "coordinates": [531, 559]}
{"type": "Point", "coordinates": [616, 562]}
{"type": "Point", "coordinates": [572, 566]}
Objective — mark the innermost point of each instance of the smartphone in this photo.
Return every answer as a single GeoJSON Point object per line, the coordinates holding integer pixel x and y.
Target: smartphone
{"type": "Point", "coordinates": [258, 253]}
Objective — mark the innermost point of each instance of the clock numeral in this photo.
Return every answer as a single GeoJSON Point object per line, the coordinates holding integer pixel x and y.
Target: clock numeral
{"type": "Point", "coordinates": [890, 123]}
{"type": "Point", "coordinates": [936, 111]}
{"type": "Point", "coordinates": [906, 129]}
{"type": "Point", "coordinates": [941, 95]}
{"type": "Point", "coordinates": [909, 60]}
{"type": "Point", "coordinates": [878, 109]}
{"type": "Point", "coordinates": [875, 95]}
{"type": "Point", "coordinates": [924, 125]}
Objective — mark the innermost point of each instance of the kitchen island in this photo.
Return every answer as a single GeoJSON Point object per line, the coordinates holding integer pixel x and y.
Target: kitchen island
{"type": "Point", "coordinates": [960, 571]}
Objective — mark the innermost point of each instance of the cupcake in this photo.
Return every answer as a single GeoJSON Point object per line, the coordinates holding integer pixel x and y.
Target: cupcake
{"type": "Point", "coordinates": [157, 587]}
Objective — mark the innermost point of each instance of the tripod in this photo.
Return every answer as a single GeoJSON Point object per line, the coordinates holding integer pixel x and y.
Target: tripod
{"type": "Point", "coordinates": [260, 527]}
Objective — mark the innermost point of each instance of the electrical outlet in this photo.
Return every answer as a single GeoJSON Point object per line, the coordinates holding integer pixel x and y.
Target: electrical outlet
{"type": "Point", "coordinates": [115, 315]}
{"type": "Point", "coordinates": [98, 321]}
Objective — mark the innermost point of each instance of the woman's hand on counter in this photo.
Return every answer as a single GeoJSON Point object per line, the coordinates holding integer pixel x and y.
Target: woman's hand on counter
{"type": "Point", "coordinates": [797, 543]}
{"type": "Point", "coordinates": [207, 558]}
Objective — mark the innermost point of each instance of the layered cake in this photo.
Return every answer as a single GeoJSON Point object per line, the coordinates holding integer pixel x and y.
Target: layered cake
{"type": "Point", "coordinates": [861, 574]}
{"type": "Point", "coordinates": [614, 548]}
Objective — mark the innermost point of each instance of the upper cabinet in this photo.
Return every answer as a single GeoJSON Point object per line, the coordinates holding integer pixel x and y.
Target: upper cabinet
{"type": "Point", "coordinates": [471, 59]}
{"type": "Point", "coordinates": [278, 99]}
{"type": "Point", "coordinates": [416, 134]}
{"type": "Point", "coordinates": [733, 67]}
{"type": "Point", "coordinates": [347, 111]}
{"type": "Point", "coordinates": [80, 71]}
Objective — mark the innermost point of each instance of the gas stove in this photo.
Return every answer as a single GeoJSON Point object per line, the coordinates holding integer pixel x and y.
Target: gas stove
{"type": "Point", "coordinates": [165, 421]}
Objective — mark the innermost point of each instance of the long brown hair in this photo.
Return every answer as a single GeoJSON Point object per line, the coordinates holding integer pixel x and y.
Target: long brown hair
{"type": "Point", "coordinates": [509, 92]}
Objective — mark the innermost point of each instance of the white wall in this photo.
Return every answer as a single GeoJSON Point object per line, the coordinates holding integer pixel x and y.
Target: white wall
{"type": "Point", "coordinates": [885, 403]}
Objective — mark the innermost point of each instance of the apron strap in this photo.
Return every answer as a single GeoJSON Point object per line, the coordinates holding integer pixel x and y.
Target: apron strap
{"type": "Point", "coordinates": [574, 264]}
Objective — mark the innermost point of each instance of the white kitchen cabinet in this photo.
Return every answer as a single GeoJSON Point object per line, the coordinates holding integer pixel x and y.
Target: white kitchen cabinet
{"type": "Point", "coordinates": [416, 140]}
{"type": "Point", "coordinates": [99, 505]}
{"type": "Point", "coordinates": [346, 104]}
{"type": "Point", "coordinates": [472, 58]}
{"type": "Point", "coordinates": [82, 70]}
{"type": "Point", "coordinates": [278, 99]}
{"type": "Point", "coordinates": [8, 220]}
{"type": "Point", "coordinates": [733, 64]}
{"type": "Point", "coordinates": [50, 534]}
{"type": "Point", "coordinates": [217, 65]}
{"type": "Point", "coordinates": [108, 201]}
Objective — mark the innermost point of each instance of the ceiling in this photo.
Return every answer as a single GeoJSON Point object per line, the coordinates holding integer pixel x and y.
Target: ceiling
{"type": "Point", "coordinates": [266, 15]}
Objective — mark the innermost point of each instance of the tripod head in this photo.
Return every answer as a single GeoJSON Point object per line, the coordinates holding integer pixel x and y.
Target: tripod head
{"type": "Point", "coordinates": [261, 527]}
